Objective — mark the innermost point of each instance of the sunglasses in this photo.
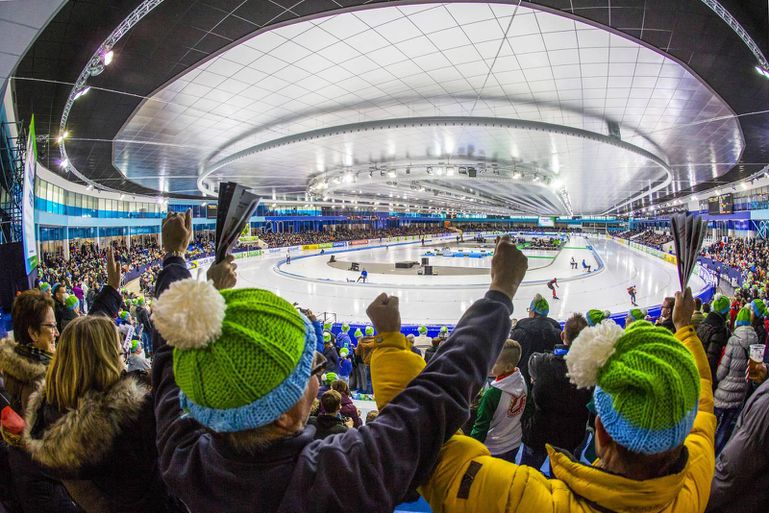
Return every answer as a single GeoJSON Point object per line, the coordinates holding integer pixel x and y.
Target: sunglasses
{"type": "Point", "coordinates": [318, 364]}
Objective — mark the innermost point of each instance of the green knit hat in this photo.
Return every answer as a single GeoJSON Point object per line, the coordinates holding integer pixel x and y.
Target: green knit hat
{"type": "Point", "coordinates": [595, 316]}
{"type": "Point", "coordinates": [344, 352]}
{"type": "Point", "coordinates": [326, 337]}
{"type": "Point", "coordinates": [646, 383]}
{"type": "Point", "coordinates": [539, 305]}
{"type": "Point", "coordinates": [72, 302]}
{"type": "Point", "coordinates": [327, 325]}
{"type": "Point", "coordinates": [743, 317]}
{"type": "Point", "coordinates": [123, 315]}
{"type": "Point", "coordinates": [422, 330]}
{"type": "Point", "coordinates": [358, 333]}
{"type": "Point", "coordinates": [345, 327]}
{"type": "Point", "coordinates": [759, 308]}
{"type": "Point", "coordinates": [139, 301]}
{"type": "Point", "coordinates": [369, 331]}
{"type": "Point", "coordinates": [637, 314]}
{"type": "Point", "coordinates": [45, 286]}
{"type": "Point", "coordinates": [444, 330]}
{"type": "Point", "coordinates": [721, 304]}
{"type": "Point", "coordinates": [242, 357]}
{"type": "Point", "coordinates": [330, 377]}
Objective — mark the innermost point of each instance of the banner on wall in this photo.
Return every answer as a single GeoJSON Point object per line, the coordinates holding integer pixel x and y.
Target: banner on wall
{"type": "Point", "coordinates": [28, 201]}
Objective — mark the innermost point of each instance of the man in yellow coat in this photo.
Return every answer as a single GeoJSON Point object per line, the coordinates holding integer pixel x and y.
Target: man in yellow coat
{"type": "Point", "coordinates": [654, 432]}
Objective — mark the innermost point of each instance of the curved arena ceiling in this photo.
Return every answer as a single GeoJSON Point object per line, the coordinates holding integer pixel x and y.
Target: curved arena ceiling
{"type": "Point", "coordinates": [489, 107]}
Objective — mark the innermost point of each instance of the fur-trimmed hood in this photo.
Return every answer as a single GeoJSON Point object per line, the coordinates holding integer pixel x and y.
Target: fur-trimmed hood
{"type": "Point", "coordinates": [17, 366]}
{"type": "Point", "coordinates": [84, 436]}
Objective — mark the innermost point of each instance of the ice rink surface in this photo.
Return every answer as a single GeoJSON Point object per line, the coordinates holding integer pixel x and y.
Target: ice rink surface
{"type": "Point", "coordinates": [312, 283]}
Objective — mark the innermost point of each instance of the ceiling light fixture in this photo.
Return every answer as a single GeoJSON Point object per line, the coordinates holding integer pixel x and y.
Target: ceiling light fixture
{"type": "Point", "coordinates": [81, 93]}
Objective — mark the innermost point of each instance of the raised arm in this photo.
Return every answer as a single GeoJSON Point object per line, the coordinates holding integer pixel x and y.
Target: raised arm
{"type": "Point", "coordinates": [175, 435]}
{"type": "Point", "coordinates": [107, 301]}
{"type": "Point", "coordinates": [411, 429]}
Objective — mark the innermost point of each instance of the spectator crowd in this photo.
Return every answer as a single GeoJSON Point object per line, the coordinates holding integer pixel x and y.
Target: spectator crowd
{"type": "Point", "coordinates": [216, 398]}
{"type": "Point", "coordinates": [649, 238]}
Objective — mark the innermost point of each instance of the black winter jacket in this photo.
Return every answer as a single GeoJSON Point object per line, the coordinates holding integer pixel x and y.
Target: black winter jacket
{"type": "Point", "coordinates": [327, 425]}
{"type": "Point", "coordinates": [535, 335]}
{"type": "Point", "coordinates": [714, 334]}
{"type": "Point", "coordinates": [560, 409]}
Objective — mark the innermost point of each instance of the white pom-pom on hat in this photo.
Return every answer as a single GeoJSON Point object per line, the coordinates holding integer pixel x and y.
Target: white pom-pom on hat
{"type": "Point", "coordinates": [189, 314]}
{"type": "Point", "coordinates": [590, 351]}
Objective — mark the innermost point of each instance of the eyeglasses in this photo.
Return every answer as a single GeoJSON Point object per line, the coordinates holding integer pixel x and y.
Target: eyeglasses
{"type": "Point", "coordinates": [51, 326]}
{"type": "Point", "coordinates": [318, 364]}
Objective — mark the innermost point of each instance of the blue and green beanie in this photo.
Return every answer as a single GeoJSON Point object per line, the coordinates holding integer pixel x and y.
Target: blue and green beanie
{"type": "Point", "coordinates": [539, 305]}
{"type": "Point", "coordinates": [759, 308]}
{"type": "Point", "coordinates": [646, 383]}
{"type": "Point", "coordinates": [123, 315]}
{"type": "Point", "coordinates": [636, 314]}
{"type": "Point", "coordinates": [743, 317]}
{"type": "Point", "coordinates": [595, 316]}
{"type": "Point", "coordinates": [72, 302]}
{"type": "Point", "coordinates": [45, 286]}
{"type": "Point", "coordinates": [242, 357]}
{"type": "Point", "coordinates": [721, 305]}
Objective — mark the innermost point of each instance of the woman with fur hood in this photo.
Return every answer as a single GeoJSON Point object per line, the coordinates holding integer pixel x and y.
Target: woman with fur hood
{"type": "Point", "coordinates": [23, 363]}
{"type": "Point", "coordinates": [92, 426]}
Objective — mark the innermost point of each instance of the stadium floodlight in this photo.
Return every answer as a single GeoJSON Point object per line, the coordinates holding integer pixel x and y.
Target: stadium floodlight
{"type": "Point", "coordinates": [107, 57]}
{"type": "Point", "coordinates": [81, 92]}
{"type": "Point", "coordinates": [449, 171]}
{"type": "Point", "coordinates": [761, 71]}
{"type": "Point", "coordinates": [391, 173]}
{"type": "Point", "coordinates": [516, 175]}
{"type": "Point", "coordinates": [557, 184]}
{"type": "Point", "coordinates": [64, 163]}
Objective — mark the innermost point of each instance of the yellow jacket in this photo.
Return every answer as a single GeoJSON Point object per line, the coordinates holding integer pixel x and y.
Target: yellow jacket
{"type": "Point", "coordinates": [499, 486]}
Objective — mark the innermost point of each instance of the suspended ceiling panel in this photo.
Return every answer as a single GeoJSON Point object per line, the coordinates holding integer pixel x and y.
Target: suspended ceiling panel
{"type": "Point", "coordinates": [432, 60]}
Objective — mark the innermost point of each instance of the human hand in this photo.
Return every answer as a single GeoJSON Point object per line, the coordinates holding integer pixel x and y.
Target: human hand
{"type": "Point", "coordinates": [384, 313]}
{"type": "Point", "coordinates": [113, 270]}
{"type": "Point", "coordinates": [177, 232]}
{"type": "Point", "coordinates": [683, 309]}
{"type": "Point", "coordinates": [508, 267]}
{"type": "Point", "coordinates": [223, 273]}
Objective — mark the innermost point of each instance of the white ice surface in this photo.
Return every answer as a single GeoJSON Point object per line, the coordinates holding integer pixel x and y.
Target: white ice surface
{"type": "Point", "coordinates": [443, 299]}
